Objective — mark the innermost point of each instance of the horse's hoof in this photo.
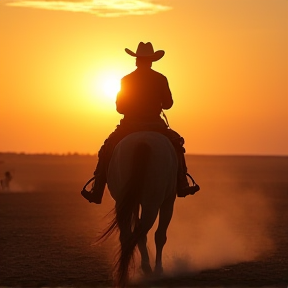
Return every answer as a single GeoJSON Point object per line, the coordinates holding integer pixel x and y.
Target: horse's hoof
{"type": "Point", "coordinates": [158, 270]}
{"type": "Point", "coordinates": [146, 268]}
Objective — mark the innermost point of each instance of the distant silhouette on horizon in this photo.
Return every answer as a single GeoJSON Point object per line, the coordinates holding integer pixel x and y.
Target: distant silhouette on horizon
{"type": "Point", "coordinates": [143, 95]}
{"type": "Point", "coordinates": [5, 182]}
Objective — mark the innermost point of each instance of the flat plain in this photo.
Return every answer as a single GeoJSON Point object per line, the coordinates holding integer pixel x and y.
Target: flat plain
{"type": "Point", "coordinates": [232, 233]}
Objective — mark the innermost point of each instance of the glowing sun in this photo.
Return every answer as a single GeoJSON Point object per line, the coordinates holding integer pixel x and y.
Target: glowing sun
{"type": "Point", "coordinates": [110, 85]}
{"type": "Point", "coordinates": [102, 87]}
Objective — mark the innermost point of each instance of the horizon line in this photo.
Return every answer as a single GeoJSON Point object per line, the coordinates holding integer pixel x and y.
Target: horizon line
{"type": "Point", "coordinates": [95, 154]}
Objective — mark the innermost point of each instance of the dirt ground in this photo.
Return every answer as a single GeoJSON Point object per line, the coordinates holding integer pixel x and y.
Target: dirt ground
{"type": "Point", "coordinates": [234, 233]}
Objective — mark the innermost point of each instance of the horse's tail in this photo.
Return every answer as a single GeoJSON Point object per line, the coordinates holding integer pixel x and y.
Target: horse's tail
{"type": "Point", "coordinates": [127, 213]}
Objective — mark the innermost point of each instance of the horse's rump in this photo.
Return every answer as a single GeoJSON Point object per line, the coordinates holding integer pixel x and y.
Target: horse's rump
{"type": "Point", "coordinates": [161, 160]}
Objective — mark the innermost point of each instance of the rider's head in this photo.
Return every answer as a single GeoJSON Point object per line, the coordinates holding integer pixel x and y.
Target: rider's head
{"type": "Point", "coordinates": [145, 54]}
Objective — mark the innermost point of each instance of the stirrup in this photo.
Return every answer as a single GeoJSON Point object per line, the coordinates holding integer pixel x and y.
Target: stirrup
{"type": "Point", "coordinates": [88, 195]}
{"type": "Point", "coordinates": [193, 181]}
{"type": "Point", "coordinates": [195, 187]}
{"type": "Point", "coordinates": [189, 190]}
{"type": "Point", "coordinates": [88, 182]}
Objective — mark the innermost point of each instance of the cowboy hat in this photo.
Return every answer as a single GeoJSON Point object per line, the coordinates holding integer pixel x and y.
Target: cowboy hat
{"type": "Point", "coordinates": [146, 50]}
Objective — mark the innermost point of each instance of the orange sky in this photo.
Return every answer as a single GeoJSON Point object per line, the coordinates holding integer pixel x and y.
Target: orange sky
{"type": "Point", "coordinates": [226, 62]}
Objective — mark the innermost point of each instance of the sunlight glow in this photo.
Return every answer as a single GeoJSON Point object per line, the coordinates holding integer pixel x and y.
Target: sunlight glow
{"type": "Point", "coordinates": [110, 85]}
{"type": "Point", "coordinates": [101, 89]}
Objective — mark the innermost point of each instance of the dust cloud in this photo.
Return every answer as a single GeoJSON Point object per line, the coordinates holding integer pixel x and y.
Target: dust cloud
{"type": "Point", "coordinates": [217, 227]}
{"type": "Point", "coordinates": [223, 224]}
{"type": "Point", "coordinates": [15, 187]}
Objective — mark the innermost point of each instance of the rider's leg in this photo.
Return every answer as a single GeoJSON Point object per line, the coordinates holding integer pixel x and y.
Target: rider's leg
{"type": "Point", "coordinates": [99, 184]}
{"type": "Point", "coordinates": [183, 187]}
{"type": "Point", "coordinates": [104, 156]}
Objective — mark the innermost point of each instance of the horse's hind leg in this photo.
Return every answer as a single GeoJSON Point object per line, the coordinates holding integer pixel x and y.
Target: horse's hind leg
{"type": "Point", "coordinates": [145, 261]}
{"type": "Point", "coordinates": [165, 216]}
{"type": "Point", "coordinates": [148, 217]}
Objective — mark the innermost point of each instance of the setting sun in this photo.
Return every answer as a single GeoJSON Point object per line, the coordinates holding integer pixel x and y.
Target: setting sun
{"type": "Point", "coordinates": [110, 85]}
{"type": "Point", "coordinates": [101, 88]}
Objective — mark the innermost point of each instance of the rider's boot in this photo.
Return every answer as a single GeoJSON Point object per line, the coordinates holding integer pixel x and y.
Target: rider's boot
{"type": "Point", "coordinates": [97, 191]}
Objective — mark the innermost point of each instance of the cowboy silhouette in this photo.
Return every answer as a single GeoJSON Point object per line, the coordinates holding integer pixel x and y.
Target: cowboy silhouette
{"type": "Point", "coordinates": [5, 183]}
{"type": "Point", "coordinates": [143, 95]}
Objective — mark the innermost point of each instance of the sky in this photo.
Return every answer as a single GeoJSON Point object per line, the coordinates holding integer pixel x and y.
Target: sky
{"type": "Point", "coordinates": [226, 62]}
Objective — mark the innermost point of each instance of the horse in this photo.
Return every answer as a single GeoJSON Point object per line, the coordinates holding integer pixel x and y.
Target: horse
{"type": "Point", "coordinates": [141, 178]}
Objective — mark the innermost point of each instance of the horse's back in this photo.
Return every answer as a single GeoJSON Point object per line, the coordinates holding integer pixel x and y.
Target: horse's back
{"type": "Point", "coordinates": [159, 180]}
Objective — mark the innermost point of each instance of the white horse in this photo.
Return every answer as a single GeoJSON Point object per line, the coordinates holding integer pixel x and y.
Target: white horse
{"type": "Point", "coordinates": [142, 178]}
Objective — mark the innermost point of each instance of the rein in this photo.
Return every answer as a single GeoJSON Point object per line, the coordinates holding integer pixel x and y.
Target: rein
{"type": "Point", "coordinates": [166, 119]}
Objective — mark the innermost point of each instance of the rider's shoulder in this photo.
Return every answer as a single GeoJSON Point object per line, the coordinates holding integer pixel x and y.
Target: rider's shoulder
{"type": "Point", "coordinates": [157, 74]}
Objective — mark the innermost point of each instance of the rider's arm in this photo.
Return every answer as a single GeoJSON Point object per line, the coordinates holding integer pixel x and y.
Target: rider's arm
{"type": "Point", "coordinates": [121, 102]}
{"type": "Point", "coordinates": [167, 100]}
